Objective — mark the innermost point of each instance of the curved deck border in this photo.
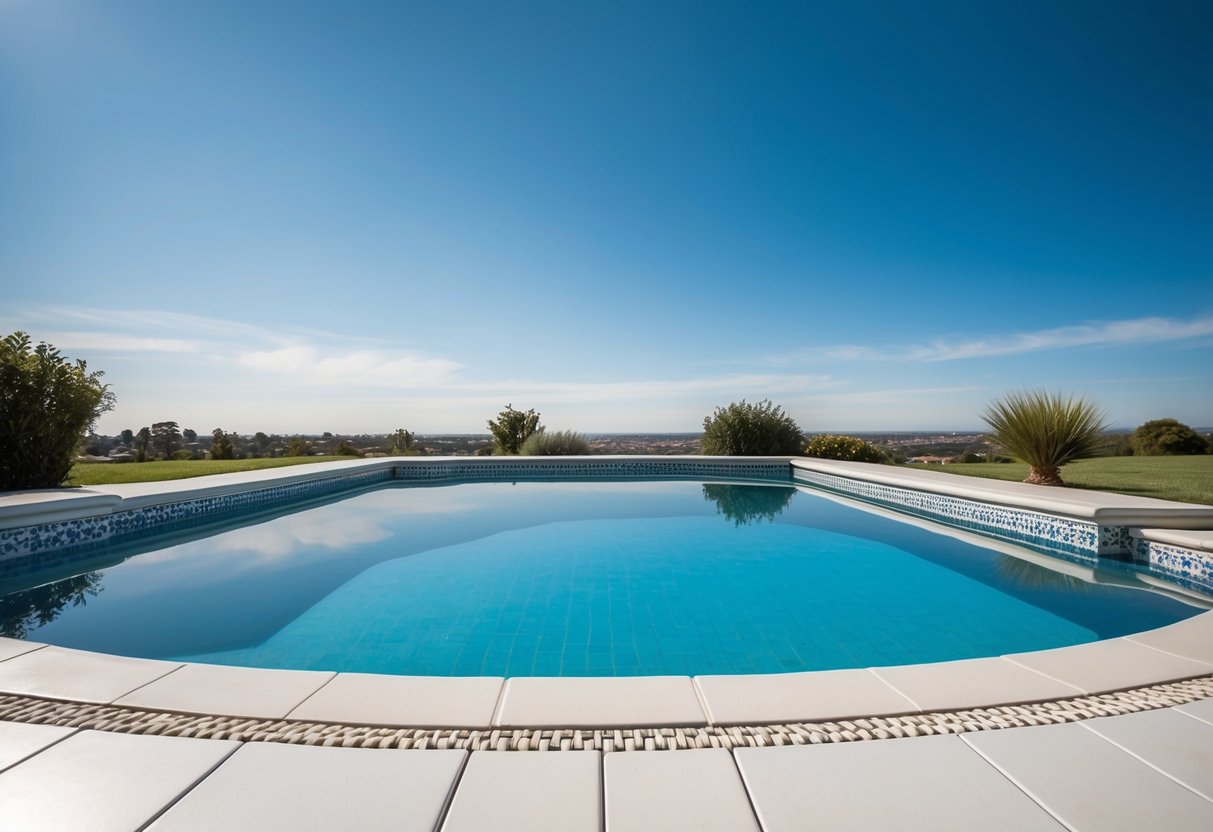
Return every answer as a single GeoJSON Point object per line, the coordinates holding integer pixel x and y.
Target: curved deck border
{"type": "Point", "coordinates": [118, 719]}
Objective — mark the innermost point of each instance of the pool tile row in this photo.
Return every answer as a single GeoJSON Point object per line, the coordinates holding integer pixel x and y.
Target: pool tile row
{"type": "Point", "coordinates": [1149, 770]}
{"type": "Point", "coordinates": [1180, 651]}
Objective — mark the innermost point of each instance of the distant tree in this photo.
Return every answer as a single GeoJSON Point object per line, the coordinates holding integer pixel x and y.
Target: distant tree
{"type": "Point", "coordinates": [142, 439]}
{"type": "Point", "coordinates": [47, 404]}
{"type": "Point", "coordinates": [346, 448]}
{"type": "Point", "coordinates": [166, 438]}
{"type": "Point", "coordinates": [849, 448]}
{"type": "Point", "coordinates": [745, 429]}
{"type": "Point", "coordinates": [1168, 437]}
{"type": "Point", "coordinates": [511, 428]}
{"type": "Point", "coordinates": [402, 442]}
{"type": "Point", "coordinates": [298, 446]}
{"type": "Point", "coordinates": [555, 443]}
{"type": "Point", "coordinates": [127, 436]}
{"type": "Point", "coordinates": [261, 442]}
{"type": "Point", "coordinates": [1046, 431]}
{"type": "Point", "coordinates": [190, 435]}
{"type": "Point", "coordinates": [221, 445]}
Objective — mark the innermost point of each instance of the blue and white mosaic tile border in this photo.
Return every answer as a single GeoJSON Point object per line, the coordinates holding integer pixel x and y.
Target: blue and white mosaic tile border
{"type": "Point", "coordinates": [1191, 568]}
{"type": "Point", "coordinates": [32, 540]}
{"type": "Point", "coordinates": [589, 469]}
{"type": "Point", "coordinates": [1075, 538]}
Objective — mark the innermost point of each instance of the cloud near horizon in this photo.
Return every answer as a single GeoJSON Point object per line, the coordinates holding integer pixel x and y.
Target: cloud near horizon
{"type": "Point", "coordinates": [1095, 334]}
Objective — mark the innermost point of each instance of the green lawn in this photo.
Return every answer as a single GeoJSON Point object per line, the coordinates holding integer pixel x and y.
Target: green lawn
{"type": "Point", "coordinates": [1188, 479]}
{"type": "Point", "coordinates": [107, 473]}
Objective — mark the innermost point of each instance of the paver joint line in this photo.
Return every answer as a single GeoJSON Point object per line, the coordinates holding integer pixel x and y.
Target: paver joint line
{"type": "Point", "coordinates": [120, 719]}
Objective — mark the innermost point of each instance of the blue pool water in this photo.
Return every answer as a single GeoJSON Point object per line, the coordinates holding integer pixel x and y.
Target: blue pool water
{"type": "Point", "coordinates": [574, 579]}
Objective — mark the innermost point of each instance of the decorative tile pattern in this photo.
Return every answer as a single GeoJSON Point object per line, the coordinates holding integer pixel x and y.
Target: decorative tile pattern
{"type": "Point", "coordinates": [1190, 568]}
{"type": "Point", "coordinates": [1068, 537]}
{"type": "Point", "coordinates": [31, 540]}
{"type": "Point", "coordinates": [596, 468]}
{"type": "Point", "coordinates": [84, 715]}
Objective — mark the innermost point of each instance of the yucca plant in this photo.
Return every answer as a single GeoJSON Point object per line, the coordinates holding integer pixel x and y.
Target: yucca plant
{"type": "Point", "coordinates": [1046, 431]}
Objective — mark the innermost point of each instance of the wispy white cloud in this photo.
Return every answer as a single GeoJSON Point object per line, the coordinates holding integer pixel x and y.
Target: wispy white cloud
{"type": "Point", "coordinates": [361, 367]}
{"type": "Point", "coordinates": [115, 342]}
{"type": "Point", "coordinates": [1095, 334]}
{"type": "Point", "coordinates": [286, 354]}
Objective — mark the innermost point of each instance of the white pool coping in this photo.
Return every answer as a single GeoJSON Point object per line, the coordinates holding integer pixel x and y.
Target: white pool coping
{"type": "Point", "coordinates": [1179, 651]}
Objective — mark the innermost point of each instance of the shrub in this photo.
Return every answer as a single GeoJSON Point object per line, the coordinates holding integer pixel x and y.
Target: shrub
{"type": "Point", "coordinates": [1045, 431]}
{"type": "Point", "coordinates": [849, 448]}
{"type": "Point", "coordinates": [1168, 437]}
{"type": "Point", "coordinates": [556, 443]}
{"type": "Point", "coordinates": [298, 446]}
{"type": "Point", "coordinates": [47, 405]}
{"type": "Point", "coordinates": [346, 448]}
{"type": "Point", "coordinates": [511, 428]}
{"type": "Point", "coordinates": [744, 429]}
{"type": "Point", "coordinates": [182, 455]}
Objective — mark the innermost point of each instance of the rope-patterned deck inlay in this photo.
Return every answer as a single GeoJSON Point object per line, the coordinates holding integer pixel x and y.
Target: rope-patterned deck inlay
{"type": "Point", "coordinates": [34, 710]}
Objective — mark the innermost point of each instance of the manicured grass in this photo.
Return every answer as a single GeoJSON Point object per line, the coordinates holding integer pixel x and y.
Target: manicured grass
{"type": "Point", "coordinates": [108, 473]}
{"type": "Point", "coordinates": [1188, 479]}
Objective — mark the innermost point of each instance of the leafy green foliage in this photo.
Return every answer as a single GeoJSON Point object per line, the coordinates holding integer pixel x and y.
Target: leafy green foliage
{"type": "Point", "coordinates": [556, 443]}
{"type": "Point", "coordinates": [1046, 431]}
{"type": "Point", "coordinates": [1168, 437]}
{"type": "Point", "coordinates": [346, 448]}
{"type": "Point", "coordinates": [299, 446]}
{"type": "Point", "coordinates": [744, 429]}
{"type": "Point", "coordinates": [142, 439]}
{"type": "Point", "coordinates": [222, 446]}
{"type": "Point", "coordinates": [746, 504]}
{"type": "Point", "coordinates": [511, 428]}
{"type": "Point", "coordinates": [849, 448]}
{"type": "Point", "coordinates": [47, 405]}
{"type": "Point", "coordinates": [166, 438]}
{"type": "Point", "coordinates": [403, 443]}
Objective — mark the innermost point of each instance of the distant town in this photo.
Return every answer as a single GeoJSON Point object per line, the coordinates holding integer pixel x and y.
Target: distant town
{"type": "Point", "coordinates": [166, 440]}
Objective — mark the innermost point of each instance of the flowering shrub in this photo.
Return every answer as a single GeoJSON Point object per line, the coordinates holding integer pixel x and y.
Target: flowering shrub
{"type": "Point", "coordinates": [849, 448]}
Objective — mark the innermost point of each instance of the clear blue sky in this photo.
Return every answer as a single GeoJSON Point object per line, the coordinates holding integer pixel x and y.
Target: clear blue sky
{"type": "Point", "coordinates": [299, 217]}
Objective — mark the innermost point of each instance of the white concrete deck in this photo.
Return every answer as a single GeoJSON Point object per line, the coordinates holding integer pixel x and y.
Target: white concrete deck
{"type": "Point", "coordinates": [1152, 770]}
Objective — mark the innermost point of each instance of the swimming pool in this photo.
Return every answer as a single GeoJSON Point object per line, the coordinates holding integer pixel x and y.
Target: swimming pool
{"type": "Point", "coordinates": [583, 578]}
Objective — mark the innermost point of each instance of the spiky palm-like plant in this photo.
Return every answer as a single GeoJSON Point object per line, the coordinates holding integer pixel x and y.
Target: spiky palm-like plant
{"type": "Point", "coordinates": [1045, 431]}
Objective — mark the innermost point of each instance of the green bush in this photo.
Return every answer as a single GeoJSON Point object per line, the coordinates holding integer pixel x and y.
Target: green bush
{"type": "Point", "coordinates": [556, 443]}
{"type": "Point", "coordinates": [298, 446]}
{"type": "Point", "coordinates": [1168, 437]}
{"type": "Point", "coordinates": [744, 429]}
{"type": "Point", "coordinates": [511, 428]}
{"type": "Point", "coordinates": [47, 405]}
{"type": "Point", "coordinates": [182, 455]}
{"type": "Point", "coordinates": [1046, 431]}
{"type": "Point", "coordinates": [849, 448]}
{"type": "Point", "coordinates": [346, 448]}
